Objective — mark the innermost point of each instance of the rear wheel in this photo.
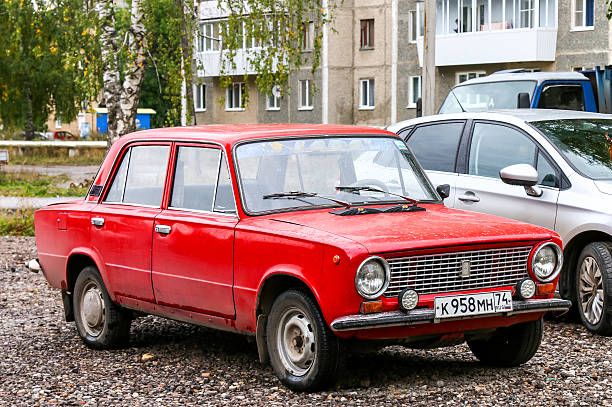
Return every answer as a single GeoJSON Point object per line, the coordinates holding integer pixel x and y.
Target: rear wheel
{"type": "Point", "coordinates": [101, 323]}
{"type": "Point", "coordinates": [594, 288]}
{"type": "Point", "coordinates": [303, 350]}
{"type": "Point", "coordinates": [510, 346]}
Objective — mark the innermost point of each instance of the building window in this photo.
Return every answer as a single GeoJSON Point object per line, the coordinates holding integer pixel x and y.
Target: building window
{"type": "Point", "coordinates": [273, 99]}
{"type": "Point", "coordinates": [367, 34]}
{"type": "Point", "coordinates": [526, 13]}
{"type": "Point", "coordinates": [366, 94]}
{"type": "Point", "coordinates": [199, 97]}
{"type": "Point", "coordinates": [209, 38]}
{"type": "Point", "coordinates": [464, 76]}
{"type": "Point", "coordinates": [308, 34]}
{"type": "Point", "coordinates": [414, 91]}
{"type": "Point", "coordinates": [305, 95]}
{"type": "Point", "coordinates": [581, 68]}
{"type": "Point", "coordinates": [58, 123]}
{"type": "Point", "coordinates": [582, 13]}
{"type": "Point", "coordinates": [234, 98]}
{"type": "Point", "coordinates": [412, 26]}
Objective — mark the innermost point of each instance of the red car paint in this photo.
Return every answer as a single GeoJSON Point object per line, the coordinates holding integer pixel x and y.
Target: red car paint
{"type": "Point", "coordinates": [211, 269]}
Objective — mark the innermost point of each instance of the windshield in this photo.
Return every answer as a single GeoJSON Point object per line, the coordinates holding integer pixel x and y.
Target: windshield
{"type": "Point", "coordinates": [318, 165]}
{"type": "Point", "coordinates": [585, 143]}
{"type": "Point", "coordinates": [486, 96]}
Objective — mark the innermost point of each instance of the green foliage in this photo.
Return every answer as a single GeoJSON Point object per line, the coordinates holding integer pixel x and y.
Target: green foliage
{"type": "Point", "coordinates": [18, 222]}
{"type": "Point", "coordinates": [31, 184]}
{"type": "Point", "coordinates": [47, 61]}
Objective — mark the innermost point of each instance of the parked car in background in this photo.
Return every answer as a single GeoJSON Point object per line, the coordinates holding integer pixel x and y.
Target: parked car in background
{"type": "Point", "coordinates": [564, 161]}
{"type": "Point", "coordinates": [286, 233]}
{"type": "Point", "coordinates": [62, 135]}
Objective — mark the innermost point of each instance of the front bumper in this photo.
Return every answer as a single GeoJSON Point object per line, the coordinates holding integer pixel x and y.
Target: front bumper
{"type": "Point", "coordinates": [424, 316]}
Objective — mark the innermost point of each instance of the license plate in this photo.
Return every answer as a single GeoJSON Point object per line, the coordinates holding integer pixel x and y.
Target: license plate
{"type": "Point", "coordinates": [473, 304]}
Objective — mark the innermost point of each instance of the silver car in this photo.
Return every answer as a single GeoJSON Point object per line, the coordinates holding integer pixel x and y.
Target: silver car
{"type": "Point", "coordinates": [552, 168]}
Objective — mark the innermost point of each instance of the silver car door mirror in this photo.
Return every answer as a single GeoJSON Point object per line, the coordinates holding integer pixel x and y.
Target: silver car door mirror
{"type": "Point", "coordinates": [524, 175]}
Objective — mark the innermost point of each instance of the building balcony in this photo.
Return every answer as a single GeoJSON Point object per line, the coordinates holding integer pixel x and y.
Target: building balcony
{"type": "Point", "coordinates": [211, 64]}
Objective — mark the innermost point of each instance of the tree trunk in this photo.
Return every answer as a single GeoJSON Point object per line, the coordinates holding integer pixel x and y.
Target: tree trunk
{"type": "Point", "coordinates": [110, 77]}
{"type": "Point", "coordinates": [135, 70]}
{"type": "Point", "coordinates": [186, 39]}
{"type": "Point", "coordinates": [29, 123]}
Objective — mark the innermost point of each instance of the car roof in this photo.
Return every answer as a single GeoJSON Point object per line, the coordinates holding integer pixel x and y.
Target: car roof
{"type": "Point", "coordinates": [229, 134]}
{"type": "Point", "coordinates": [508, 115]}
{"type": "Point", "coordinates": [539, 77]}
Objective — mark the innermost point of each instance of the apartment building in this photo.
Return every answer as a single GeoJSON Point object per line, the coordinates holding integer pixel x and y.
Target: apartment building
{"type": "Point", "coordinates": [371, 67]}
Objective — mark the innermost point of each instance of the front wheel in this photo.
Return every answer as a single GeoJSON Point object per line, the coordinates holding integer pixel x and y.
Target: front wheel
{"type": "Point", "coordinates": [101, 323]}
{"type": "Point", "coordinates": [510, 346]}
{"type": "Point", "coordinates": [594, 288]}
{"type": "Point", "coordinates": [303, 350]}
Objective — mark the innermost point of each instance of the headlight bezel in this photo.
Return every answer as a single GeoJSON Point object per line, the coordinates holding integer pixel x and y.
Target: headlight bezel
{"type": "Point", "coordinates": [385, 285]}
{"type": "Point", "coordinates": [556, 271]}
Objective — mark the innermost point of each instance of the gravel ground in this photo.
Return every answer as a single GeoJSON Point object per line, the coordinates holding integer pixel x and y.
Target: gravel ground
{"type": "Point", "coordinates": [169, 363]}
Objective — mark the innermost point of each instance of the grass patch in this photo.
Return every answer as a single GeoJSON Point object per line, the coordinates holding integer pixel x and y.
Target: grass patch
{"type": "Point", "coordinates": [17, 222]}
{"type": "Point", "coordinates": [31, 184]}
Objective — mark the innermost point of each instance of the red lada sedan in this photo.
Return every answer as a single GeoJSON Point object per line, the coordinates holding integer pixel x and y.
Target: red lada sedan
{"type": "Point", "coordinates": [306, 236]}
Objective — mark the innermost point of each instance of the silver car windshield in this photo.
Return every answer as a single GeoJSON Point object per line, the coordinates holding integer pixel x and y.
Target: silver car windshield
{"type": "Point", "coordinates": [486, 96]}
{"type": "Point", "coordinates": [318, 165]}
{"type": "Point", "coordinates": [585, 143]}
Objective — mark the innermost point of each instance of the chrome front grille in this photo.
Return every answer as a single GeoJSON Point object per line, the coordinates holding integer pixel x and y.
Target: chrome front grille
{"type": "Point", "coordinates": [447, 272]}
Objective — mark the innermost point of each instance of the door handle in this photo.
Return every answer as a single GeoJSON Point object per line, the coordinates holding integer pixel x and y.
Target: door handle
{"type": "Point", "coordinates": [468, 198]}
{"type": "Point", "coordinates": [163, 229]}
{"type": "Point", "coordinates": [97, 221]}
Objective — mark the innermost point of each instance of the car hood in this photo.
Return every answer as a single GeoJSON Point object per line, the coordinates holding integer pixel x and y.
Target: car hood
{"type": "Point", "coordinates": [604, 186]}
{"type": "Point", "coordinates": [437, 226]}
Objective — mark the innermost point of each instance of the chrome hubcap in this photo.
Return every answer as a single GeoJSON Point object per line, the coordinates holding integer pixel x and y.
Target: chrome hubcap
{"type": "Point", "coordinates": [93, 312]}
{"type": "Point", "coordinates": [591, 290]}
{"type": "Point", "coordinates": [296, 342]}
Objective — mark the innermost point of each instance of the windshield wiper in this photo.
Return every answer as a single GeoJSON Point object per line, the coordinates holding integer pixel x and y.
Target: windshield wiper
{"type": "Point", "coordinates": [357, 189]}
{"type": "Point", "coordinates": [302, 194]}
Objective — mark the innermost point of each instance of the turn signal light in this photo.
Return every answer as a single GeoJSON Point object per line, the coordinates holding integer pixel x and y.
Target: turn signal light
{"type": "Point", "coordinates": [369, 307]}
{"type": "Point", "coordinates": [542, 289]}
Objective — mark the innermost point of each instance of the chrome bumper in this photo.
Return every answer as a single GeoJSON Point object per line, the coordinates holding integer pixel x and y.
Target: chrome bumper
{"type": "Point", "coordinates": [424, 316]}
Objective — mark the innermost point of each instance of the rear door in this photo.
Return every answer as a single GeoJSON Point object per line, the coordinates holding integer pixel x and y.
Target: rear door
{"type": "Point", "coordinates": [193, 239]}
{"type": "Point", "coordinates": [492, 147]}
{"type": "Point", "coordinates": [436, 146]}
{"type": "Point", "coordinates": [122, 224]}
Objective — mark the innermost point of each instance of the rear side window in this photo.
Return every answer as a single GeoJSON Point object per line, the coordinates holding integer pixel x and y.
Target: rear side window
{"type": "Point", "coordinates": [562, 96]}
{"type": "Point", "coordinates": [141, 176]}
{"type": "Point", "coordinates": [435, 146]}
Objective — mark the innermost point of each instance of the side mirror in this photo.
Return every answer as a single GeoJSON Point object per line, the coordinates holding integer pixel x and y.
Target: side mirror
{"type": "Point", "coordinates": [524, 175]}
{"type": "Point", "coordinates": [523, 101]}
{"type": "Point", "coordinates": [443, 190]}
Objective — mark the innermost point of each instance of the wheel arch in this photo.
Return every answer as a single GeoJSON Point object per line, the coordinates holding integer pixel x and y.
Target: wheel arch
{"type": "Point", "coordinates": [77, 260]}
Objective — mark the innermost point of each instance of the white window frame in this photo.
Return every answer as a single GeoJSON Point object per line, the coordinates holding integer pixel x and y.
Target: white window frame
{"type": "Point", "coordinates": [412, 103]}
{"type": "Point", "coordinates": [229, 95]}
{"type": "Point", "coordinates": [478, 74]}
{"type": "Point", "coordinates": [272, 102]}
{"type": "Point", "coordinates": [199, 91]}
{"type": "Point", "coordinates": [369, 35]}
{"type": "Point", "coordinates": [308, 34]}
{"type": "Point", "coordinates": [58, 123]}
{"type": "Point", "coordinates": [583, 26]}
{"type": "Point", "coordinates": [205, 34]}
{"type": "Point", "coordinates": [413, 25]}
{"type": "Point", "coordinates": [308, 105]}
{"type": "Point", "coordinates": [367, 94]}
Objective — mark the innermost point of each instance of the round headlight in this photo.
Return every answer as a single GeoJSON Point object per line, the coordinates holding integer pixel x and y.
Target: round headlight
{"type": "Point", "coordinates": [547, 262]}
{"type": "Point", "coordinates": [372, 277]}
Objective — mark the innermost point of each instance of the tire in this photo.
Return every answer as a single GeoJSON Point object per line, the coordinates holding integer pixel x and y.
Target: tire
{"type": "Point", "coordinates": [511, 346]}
{"type": "Point", "coordinates": [303, 350]}
{"type": "Point", "coordinates": [101, 323]}
{"type": "Point", "coordinates": [594, 288]}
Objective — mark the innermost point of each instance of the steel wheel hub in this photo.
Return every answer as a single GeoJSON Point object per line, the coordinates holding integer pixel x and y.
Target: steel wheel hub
{"type": "Point", "coordinates": [591, 290]}
{"type": "Point", "coordinates": [93, 312]}
{"type": "Point", "coordinates": [296, 342]}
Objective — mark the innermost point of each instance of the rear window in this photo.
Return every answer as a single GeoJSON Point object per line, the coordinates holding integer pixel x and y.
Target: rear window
{"type": "Point", "coordinates": [562, 96]}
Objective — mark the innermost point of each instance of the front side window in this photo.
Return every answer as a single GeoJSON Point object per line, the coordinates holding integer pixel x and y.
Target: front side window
{"type": "Point", "coordinates": [140, 177]}
{"type": "Point", "coordinates": [305, 95]}
{"type": "Point", "coordinates": [366, 94]}
{"type": "Point", "coordinates": [195, 178]}
{"type": "Point", "coordinates": [562, 96]}
{"type": "Point", "coordinates": [495, 147]}
{"type": "Point", "coordinates": [367, 34]}
{"type": "Point", "coordinates": [435, 146]}
{"type": "Point", "coordinates": [320, 164]}
{"type": "Point", "coordinates": [585, 143]}
{"type": "Point", "coordinates": [234, 97]}
{"type": "Point", "coordinates": [582, 13]}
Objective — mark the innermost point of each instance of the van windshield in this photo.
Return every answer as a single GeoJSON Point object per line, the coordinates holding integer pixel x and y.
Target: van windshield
{"type": "Point", "coordinates": [486, 96]}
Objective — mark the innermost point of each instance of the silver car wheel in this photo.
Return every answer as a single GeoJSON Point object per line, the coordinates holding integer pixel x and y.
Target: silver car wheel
{"type": "Point", "coordinates": [93, 310]}
{"type": "Point", "coordinates": [296, 342]}
{"type": "Point", "coordinates": [591, 290]}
